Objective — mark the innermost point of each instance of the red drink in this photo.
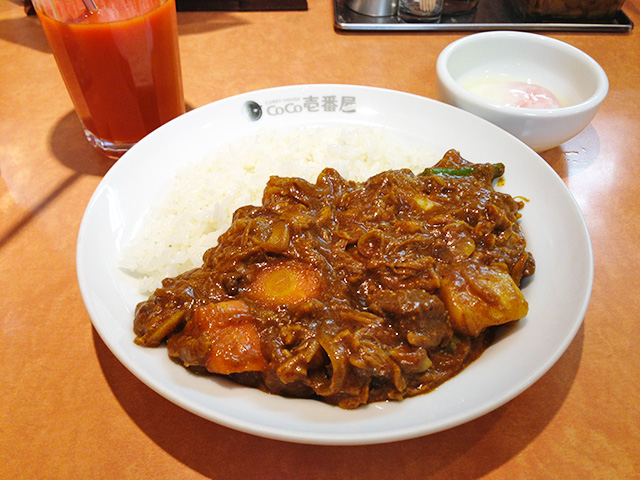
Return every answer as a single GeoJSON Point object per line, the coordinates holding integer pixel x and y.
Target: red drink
{"type": "Point", "coordinates": [121, 65]}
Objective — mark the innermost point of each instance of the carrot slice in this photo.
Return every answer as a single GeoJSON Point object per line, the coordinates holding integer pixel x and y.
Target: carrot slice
{"type": "Point", "coordinates": [215, 315]}
{"type": "Point", "coordinates": [285, 283]}
{"type": "Point", "coordinates": [235, 341]}
{"type": "Point", "coordinates": [235, 349]}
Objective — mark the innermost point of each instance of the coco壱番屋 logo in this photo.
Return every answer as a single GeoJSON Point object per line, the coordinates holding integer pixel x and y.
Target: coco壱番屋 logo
{"type": "Point", "coordinates": [310, 104]}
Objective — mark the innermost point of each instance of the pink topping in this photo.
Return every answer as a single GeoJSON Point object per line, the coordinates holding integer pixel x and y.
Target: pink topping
{"type": "Point", "coordinates": [517, 94]}
{"type": "Point", "coordinates": [528, 95]}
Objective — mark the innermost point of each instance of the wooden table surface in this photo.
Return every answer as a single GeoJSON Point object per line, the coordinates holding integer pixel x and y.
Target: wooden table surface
{"type": "Point", "coordinates": [70, 409]}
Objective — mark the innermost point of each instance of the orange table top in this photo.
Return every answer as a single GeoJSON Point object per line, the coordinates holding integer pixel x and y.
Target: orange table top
{"type": "Point", "coordinates": [70, 409]}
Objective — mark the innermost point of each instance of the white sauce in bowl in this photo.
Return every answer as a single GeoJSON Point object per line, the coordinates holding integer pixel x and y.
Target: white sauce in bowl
{"type": "Point", "coordinates": [521, 84]}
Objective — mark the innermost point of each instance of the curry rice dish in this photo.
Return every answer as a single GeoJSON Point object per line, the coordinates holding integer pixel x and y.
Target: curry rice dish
{"type": "Point", "coordinates": [351, 292]}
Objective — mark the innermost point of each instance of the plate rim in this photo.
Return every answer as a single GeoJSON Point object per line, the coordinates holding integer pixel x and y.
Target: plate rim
{"type": "Point", "coordinates": [322, 438]}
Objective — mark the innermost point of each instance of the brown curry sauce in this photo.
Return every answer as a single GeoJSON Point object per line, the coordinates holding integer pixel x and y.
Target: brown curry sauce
{"type": "Point", "coordinates": [351, 292]}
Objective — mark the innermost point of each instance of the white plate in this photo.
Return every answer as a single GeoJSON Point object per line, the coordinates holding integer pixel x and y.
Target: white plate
{"type": "Point", "coordinates": [555, 229]}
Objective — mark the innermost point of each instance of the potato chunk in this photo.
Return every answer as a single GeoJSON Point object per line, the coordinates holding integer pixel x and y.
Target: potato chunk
{"type": "Point", "coordinates": [479, 296]}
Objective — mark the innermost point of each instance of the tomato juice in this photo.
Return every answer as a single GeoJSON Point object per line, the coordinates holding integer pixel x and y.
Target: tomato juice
{"type": "Point", "coordinates": [122, 71]}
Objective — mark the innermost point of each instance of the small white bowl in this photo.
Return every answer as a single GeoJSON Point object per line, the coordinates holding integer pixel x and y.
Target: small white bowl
{"type": "Point", "coordinates": [578, 82]}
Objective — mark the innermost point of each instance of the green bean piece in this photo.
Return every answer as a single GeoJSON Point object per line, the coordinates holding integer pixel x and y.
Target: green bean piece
{"type": "Point", "coordinates": [498, 171]}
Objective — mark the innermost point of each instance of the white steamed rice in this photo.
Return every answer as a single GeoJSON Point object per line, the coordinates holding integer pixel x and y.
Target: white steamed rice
{"type": "Point", "coordinates": [199, 205]}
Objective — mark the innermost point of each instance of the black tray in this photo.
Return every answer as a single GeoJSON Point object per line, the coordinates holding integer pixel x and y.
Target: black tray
{"type": "Point", "coordinates": [489, 15]}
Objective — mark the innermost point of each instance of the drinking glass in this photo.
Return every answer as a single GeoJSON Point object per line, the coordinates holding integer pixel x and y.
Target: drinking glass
{"type": "Point", "coordinates": [121, 65]}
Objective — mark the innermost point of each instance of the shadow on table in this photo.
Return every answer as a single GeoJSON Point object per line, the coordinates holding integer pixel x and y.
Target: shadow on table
{"type": "Point", "coordinates": [71, 148]}
{"type": "Point", "coordinates": [25, 31]}
{"type": "Point", "coordinates": [575, 155]}
{"type": "Point", "coordinates": [465, 452]}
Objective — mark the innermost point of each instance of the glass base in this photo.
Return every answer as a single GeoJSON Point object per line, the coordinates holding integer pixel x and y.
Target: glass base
{"type": "Point", "coordinates": [110, 149]}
